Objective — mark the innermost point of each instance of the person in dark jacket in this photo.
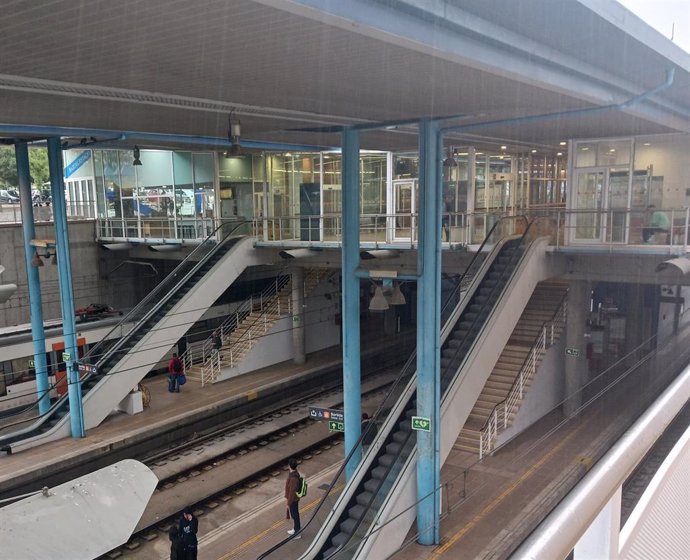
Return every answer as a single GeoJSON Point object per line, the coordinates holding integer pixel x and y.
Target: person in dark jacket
{"type": "Point", "coordinates": [291, 487]}
{"type": "Point", "coordinates": [176, 543]}
{"type": "Point", "coordinates": [189, 525]}
{"type": "Point", "coordinates": [368, 430]}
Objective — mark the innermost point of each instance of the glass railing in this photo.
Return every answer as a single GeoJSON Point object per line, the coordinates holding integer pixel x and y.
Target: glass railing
{"type": "Point", "coordinates": [636, 379]}
{"type": "Point", "coordinates": [328, 504]}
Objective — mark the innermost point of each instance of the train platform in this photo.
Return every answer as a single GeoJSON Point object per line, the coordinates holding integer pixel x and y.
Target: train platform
{"type": "Point", "coordinates": [489, 506]}
{"type": "Point", "coordinates": [168, 414]}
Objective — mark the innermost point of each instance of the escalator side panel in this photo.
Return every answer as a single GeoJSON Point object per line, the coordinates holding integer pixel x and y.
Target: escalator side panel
{"type": "Point", "coordinates": [458, 400]}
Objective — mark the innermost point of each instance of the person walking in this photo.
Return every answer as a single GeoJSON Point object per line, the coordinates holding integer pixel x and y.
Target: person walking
{"type": "Point", "coordinates": [174, 371]}
{"type": "Point", "coordinates": [216, 342]}
{"type": "Point", "coordinates": [291, 487]}
{"type": "Point", "coordinates": [189, 525]}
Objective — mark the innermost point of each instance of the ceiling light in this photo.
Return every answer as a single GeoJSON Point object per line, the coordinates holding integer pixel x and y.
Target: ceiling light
{"type": "Point", "coordinates": [234, 132]}
{"type": "Point", "coordinates": [504, 147]}
{"type": "Point", "coordinates": [612, 150]}
{"type": "Point", "coordinates": [562, 143]}
{"type": "Point", "coordinates": [379, 301]}
{"type": "Point", "coordinates": [534, 151]}
{"type": "Point", "coordinates": [135, 153]}
{"type": "Point", "coordinates": [647, 144]}
{"type": "Point", "coordinates": [559, 154]}
{"type": "Point", "coordinates": [585, 149]}
{"type": "Point", "coordinates": [397, 297]}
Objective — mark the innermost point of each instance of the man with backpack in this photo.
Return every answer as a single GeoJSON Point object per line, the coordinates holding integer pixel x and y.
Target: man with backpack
{"type": "Point", "coordinates": [295, 488]}
{"type": "Point", "coordinates": [174, 371]}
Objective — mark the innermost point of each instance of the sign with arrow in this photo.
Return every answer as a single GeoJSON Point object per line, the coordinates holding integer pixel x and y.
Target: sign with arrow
{"type": "Point", "coordinates": [422, 424]}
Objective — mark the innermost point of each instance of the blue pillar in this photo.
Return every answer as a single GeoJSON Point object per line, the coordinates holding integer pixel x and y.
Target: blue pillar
{"type": "Point", "coordinates": [428, 333]}
{"type": "Point", "coordinates": [69, 331]}
{"type": "Point", "coordinates": [350, 304]}
{"type": "Point", "coordinates": [21, 152]}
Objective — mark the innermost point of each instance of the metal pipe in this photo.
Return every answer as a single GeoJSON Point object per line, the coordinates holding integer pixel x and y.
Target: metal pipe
{"type": "Point", "coordinates": [572, 113]}
{"type": "Point", "coordinates": [33, 279]}
{"type": "Point", "coordinates": [65, 281]}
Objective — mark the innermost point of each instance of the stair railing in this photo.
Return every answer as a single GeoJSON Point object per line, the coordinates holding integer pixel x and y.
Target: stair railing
{"type": "Point", "coordinates": [501, 411]}
{"type": "Point", "coordinates": [266, 303]}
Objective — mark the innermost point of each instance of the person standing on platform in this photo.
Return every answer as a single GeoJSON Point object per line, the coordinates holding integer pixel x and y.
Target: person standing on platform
{"type": "Point", "coordinates": [176, 543]}
{"type": "Point", "coordinates": [189, 525]}
{"type": "Point", "coordinates": [291, 487]}
{"type": "Point", "coordinates": [174, 371]}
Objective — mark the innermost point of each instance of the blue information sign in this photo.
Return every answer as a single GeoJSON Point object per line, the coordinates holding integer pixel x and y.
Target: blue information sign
{"type": "Point", "coordinates": [77, 162]}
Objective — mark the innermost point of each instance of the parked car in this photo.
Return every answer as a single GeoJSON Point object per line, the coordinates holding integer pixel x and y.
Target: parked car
{"type": "Point", "coordinates": [6, 197]}
{"type": "Point", "coordinates": [95, 310]}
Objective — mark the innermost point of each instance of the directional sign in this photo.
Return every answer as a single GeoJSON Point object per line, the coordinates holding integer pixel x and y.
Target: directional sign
{"type": "Point", "coordinates": [421, 423]}
{"type": "Point", "coordinates": [80, 160]}
{"type": "Point", "coordinates": [66, 357]}
{"type": "Point", "coordinates": [334, 426]}
{"type": "Point", "coordinates": [572, 352]}
{"type": "Point", "coordinates": [86, 368]}
{"type": "Point", "coordinates": [316, 413]}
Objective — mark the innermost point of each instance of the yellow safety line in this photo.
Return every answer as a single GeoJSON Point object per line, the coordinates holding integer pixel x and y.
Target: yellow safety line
{"type": "Point", "coordinates": [496, 501]}
{"type": "Point", "coordinates": [256, 538]}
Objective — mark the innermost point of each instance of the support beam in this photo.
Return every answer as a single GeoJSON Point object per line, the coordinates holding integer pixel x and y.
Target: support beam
{"type": "Point", "coordinates": [299, 355]}
{"type": "Point", "coordinates": [428, 333]}
{"type": "Point", "coordinates": [350, 304]}
{"type": "Point", "coordinates": [576, 368]}
{"type": "Point", "coordinates": [65, 280]}
{"type": "Point", "coordinates": [21, 151]}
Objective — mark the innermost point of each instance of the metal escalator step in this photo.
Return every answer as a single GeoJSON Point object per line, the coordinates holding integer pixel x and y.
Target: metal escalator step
{"type": "Point", "coordinates": [386, 460]}
{"type": "Point", "coordinates": [394, 448]}
{"type": "Point", "coordinates": [379, 472]}
{"type": "Point", "coordinates": [399, 437]}
{"type": "Point", "coordinates": [364, 498]}
{"type": "Point", "coordinates": [354, 515]}
{"type": "Point", "coordinates": [330, 551]}
{"type": "Point", "coordinates": [340, 539]}
{"type": "Point", "coordinates": [372, 485]}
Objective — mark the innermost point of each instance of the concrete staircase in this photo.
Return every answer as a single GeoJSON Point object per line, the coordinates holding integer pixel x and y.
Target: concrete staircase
{"type": "Point", "coordinates": [545, 301]}
{"type": "Point", "coordinates": [237, 343]}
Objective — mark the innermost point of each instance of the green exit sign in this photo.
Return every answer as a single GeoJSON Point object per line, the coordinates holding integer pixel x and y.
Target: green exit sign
{"type": "Point", "coordinates": [421, 423]}
{"type": "Point", "coordinates": [334, 426]}
{"type": "Point", "coordinates": [572, 352]}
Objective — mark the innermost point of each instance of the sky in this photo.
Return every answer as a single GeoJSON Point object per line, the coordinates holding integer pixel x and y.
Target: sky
{"type": "Point", "coordinates": [662, 14]}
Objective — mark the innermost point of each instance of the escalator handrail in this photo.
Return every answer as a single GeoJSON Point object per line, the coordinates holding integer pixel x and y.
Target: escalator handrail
{"type": "Point", "coordinates": [8, 439]}
{"type": "Point", "coordinates": [410, 434]}
{"type": "Point", "coordinates": [401, 376]}
{"type": "Point", "coordinates": [163, 286]}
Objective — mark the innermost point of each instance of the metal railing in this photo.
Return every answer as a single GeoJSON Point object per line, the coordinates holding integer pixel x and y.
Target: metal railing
{"type": "Point", "coordinates": [501, 412]}
{"type": "Point", "coordinates": [266, 303]}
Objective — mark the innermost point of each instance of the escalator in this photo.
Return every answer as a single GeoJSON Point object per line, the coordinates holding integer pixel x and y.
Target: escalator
{"type": "Point", "coordinates": [351, 509]}
{"type": "Point", "coordinates": [128, 352]}
{"type": "Point", "coordinates": [360, 512]}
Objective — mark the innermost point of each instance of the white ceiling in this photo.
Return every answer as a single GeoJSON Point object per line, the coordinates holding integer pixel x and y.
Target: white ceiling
{"type": "Point", "coordinates": [179, 67]}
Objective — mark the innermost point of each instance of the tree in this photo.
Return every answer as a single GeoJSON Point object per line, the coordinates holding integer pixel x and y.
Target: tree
{"type": "Point", "coordinates": [38, 167]}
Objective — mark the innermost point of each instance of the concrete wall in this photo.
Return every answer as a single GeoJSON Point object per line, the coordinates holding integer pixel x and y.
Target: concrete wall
{"type": "Point", "coordinates": [91, 265]}
{"type": "Point", "coordinates": [545, 392]}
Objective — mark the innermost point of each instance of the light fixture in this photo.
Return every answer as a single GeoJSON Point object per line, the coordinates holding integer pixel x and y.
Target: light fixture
{"type": "Point", "coordinates": [647, 144]}
{"type": "Point", "coordinates": [234, 132]}
{"type": "Point", "coordinates": [559, 154]}
{"type": "Point", "coordinates": [36, 260]}
{"type": "Point", "coordinates": [379, 301]}
{"type": "Point", "coordinates": [562, 143]}
{"type": "Point", "coordinates": [397, 297]}
{"type": "Point", "coordinates": [135, 153]}
{"type": "Point", "coordinates": [534, 151]}
{"type": "Point", "coordinates": [504, 147]}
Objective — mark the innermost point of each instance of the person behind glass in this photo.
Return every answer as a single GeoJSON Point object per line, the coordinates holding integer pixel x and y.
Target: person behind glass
{"type": "Point", "coordinates": [291, 487]}
{"type": "Point", "coordinates": [177, 551]}
{"type": "Point", "coordinates": [445, 217]}
{"type": "Point", "coordinates": [658, 223]}
{"type": "Point", "coordinates": [368, 430]}
{"type": "Point", "coordinates": [189, 525]}
{"type": "Point", "coordinates": [174, 371]}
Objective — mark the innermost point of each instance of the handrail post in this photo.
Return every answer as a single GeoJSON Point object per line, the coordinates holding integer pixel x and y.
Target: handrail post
{"type": "Point", "coordinates": [481, 445]}
{"type": "Point", "coordinates": [687, 222]}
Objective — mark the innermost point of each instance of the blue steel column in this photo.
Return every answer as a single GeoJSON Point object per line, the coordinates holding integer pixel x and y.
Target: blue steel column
{"type": "Point", "coordinates": [57, 191]}
{"type": "Point", "coordinates": [21, 152]}
{"type": "Point", "coordinates": [350, 304]}
{"type": "Point", "coordinates": [428, 333]}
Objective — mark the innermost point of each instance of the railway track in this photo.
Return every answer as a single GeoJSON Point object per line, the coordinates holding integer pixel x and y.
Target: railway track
{"type": "Point", "coordinates": [212, 469]}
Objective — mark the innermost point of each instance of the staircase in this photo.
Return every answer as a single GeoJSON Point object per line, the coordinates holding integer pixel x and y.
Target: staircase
{"type": "Point", "coordinates": [539, 326]}
{"type": "Point", "coordinates": [241, 331]}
